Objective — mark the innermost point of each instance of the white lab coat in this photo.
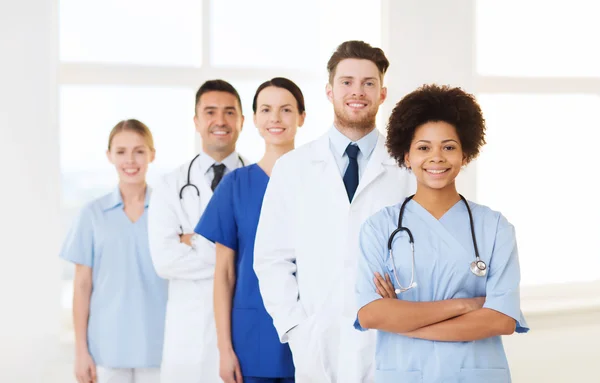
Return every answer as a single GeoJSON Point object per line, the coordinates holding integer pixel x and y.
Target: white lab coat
{"type": "Point", "coordinates": [190, 352]}
{"type": "Point", "coordinates": [306, 218]}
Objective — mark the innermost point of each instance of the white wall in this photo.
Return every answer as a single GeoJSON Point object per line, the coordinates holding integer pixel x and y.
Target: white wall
{"type": "Point", "coordinates": [433, 41]}
{"type": "Point", "coordinates": [561, 347]}
{"type": "Point", "coordinates": [29, 194]}
{"type": "Point", "coordinates": [429, 41]}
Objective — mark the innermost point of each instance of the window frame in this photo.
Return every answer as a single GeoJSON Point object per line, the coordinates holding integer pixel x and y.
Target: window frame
{"type": "Point", "coordinates": [550, 298]}
{"type": "Point", "coordinates": [540, 299]}
{"type": "Point", "coordinates": [122, 74]}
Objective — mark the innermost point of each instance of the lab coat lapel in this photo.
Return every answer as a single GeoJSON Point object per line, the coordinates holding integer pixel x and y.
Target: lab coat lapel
{"type": "Point", "coordinates": [329, 177]}
{"type": "Point", "coordinates": [375, 167]}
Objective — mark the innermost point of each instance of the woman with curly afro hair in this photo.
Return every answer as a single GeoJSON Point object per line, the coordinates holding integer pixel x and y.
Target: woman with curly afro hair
{"type": "Point", "coordinates": [444, 288]}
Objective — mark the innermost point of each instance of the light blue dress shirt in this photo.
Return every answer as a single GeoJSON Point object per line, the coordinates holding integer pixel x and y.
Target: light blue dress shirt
{"type": "Point", "coordinates": [338, 144]}
{"type": "Point", "coordinates": [443, 252]}
{"type": "Point", "coordinates": [205, 162]}
{"type": "Point", "coordinates": [128, 301]}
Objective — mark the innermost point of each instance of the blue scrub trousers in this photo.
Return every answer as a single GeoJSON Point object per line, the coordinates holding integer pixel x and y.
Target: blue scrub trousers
{"type": "Point", "coordinates": [251, 379]}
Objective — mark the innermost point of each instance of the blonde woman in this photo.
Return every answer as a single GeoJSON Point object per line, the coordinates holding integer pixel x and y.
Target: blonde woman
{"type": "Point", "coordinates": [119, 301]}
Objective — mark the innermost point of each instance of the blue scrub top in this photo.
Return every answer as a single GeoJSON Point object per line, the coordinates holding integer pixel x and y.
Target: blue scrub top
{"type": "Point", "coordinates": [443, 253]}
{"type": "Point", "coordinates": [128, 301]}
{"type": "Point", "coordinates": [231, 219]}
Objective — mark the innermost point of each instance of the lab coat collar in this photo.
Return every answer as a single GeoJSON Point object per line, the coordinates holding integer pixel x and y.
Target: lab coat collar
{"type": "Point", "coordinates": [340, 142]}
{"type": "Point", "coordinates": [376, 165]}
{"type": "Point", "coordinates": [379, 153]}
{"type": "Point", "coordinates": [115, 199]}
{"type": "Point", "coordinates": [231, 162]}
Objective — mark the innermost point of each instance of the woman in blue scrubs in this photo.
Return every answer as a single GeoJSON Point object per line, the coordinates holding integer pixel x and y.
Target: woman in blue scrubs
{"type": "Point", "coordinates": [441, 318]}
{"type": "Point", "coordinates": [250, 350]}
{"type": "Point", "coordinates": [119, 301]}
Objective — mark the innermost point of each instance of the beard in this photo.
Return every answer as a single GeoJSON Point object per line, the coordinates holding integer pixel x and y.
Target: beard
{"type": "Point", "coordinates": [362, 123]}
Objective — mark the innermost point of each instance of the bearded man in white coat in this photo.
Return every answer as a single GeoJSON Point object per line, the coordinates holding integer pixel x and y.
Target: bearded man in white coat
{"type": "Point", "coordinates": [307, 249]}
{"type": "Point", "coordinates": [187, 260]}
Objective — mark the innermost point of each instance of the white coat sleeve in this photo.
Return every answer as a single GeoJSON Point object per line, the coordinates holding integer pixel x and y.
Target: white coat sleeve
{"type": "Point", "coordinates": [171, 258]}
{"type": "Point", "coordinates": [274, 252]}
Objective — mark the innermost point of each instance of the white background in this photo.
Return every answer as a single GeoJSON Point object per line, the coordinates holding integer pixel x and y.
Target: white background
{"type": "Point", "coordinates": [72, 69]}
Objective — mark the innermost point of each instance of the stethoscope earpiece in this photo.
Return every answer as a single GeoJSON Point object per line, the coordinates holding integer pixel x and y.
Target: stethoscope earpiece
{"type": "Point", "coordinates": [401, 290]}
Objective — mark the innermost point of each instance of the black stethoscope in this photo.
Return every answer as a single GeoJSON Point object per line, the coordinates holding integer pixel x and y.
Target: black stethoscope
{"type": "Point", "coordinates": [188, 183]}
{"type": "Point", "coordinates": [478, 267]}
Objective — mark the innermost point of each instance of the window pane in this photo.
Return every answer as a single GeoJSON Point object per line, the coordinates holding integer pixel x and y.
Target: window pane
{"type": "Point", "coordinates": [256, 34]}
{"type": "Point", "coordinates": [88, 113]}
{"type": "Point", "coordinates": [537, 169]}
{"type": "Point", "coordinates": [288, 33]}
{"type": "Point", "coordinates": [343, 20]}
{"type": "Point", "coordinates": [319, 117]}
{"type": "Point", "coordinates": [538, 38]}
{"type": "Point", "coordinates": [250, 144]}
{"type": "Point", "coordinates": [131, 31]}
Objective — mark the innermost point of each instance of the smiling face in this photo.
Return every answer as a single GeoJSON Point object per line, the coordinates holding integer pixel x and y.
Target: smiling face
{"type": "Point", "coordinates": [219, 121]}
{"type": "Point", "coordinates": [277, 117]}
{"type": "Point", "coordinates": [130, 154]}
{"type": "Point", "coordinates": [435, 156]}
{"type": "Point", "coordinates": [356, 91]}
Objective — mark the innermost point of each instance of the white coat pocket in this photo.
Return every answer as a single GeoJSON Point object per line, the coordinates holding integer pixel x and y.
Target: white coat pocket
{"type": "Point", "coordinates": [305, 343]}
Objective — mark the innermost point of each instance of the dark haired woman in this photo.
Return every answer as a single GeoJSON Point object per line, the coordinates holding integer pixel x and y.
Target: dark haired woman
{"type": "Point", "coordinates": [249, 348]}
{"type": "Point", "coordinates": [441, 308]}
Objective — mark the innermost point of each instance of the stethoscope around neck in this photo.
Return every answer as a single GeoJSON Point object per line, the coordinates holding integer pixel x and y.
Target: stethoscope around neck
{"type": "Point", "coordinates": [188, 183]}
{"type": "Point", "coordinates": [478, 267]}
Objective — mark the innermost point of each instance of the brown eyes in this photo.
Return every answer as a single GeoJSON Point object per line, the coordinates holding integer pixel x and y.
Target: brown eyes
{"type": "Point", "coordinates": [424, 148]}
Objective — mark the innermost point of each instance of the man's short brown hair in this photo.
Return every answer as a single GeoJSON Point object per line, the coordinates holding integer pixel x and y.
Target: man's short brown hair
{"type": "Point", "coordinates": [355, 49]}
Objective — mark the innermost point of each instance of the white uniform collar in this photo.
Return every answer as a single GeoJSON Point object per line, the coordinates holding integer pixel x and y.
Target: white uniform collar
{"type": "Point", "coordinates": [339, 142]}
{"type": "Point", "coordinates": [231, 162]}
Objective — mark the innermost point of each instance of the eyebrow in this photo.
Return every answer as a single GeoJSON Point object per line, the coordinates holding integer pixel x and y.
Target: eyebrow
{"type": "Point", "coordinates": [352, 78]}
{"type": "Point", "coordinates": [282, 106]}
{"type": "Point", "coordinates": [135, 147]}
{"type": "Point", "coordinates": [443, 142]}
{"type": "Point", "coordinates": [216, 107]}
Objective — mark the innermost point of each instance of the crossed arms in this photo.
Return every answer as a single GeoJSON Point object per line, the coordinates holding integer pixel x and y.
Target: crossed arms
{"type": "Point", "coordinates": [451, 320]}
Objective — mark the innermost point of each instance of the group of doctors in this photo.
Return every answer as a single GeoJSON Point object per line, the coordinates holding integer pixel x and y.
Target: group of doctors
{"type": "Point", "coordinates": [271, 272]}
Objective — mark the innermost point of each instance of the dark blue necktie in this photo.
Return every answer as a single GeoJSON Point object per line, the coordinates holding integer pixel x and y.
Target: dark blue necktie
{"type": "Point", "coordinates": [351, 175]}
{"type": "Point", "coordinates": [219, 170]}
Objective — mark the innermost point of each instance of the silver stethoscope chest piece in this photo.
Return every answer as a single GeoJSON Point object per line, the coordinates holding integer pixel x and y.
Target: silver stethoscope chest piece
{"type": "Point", "coordinates": [478, 267]}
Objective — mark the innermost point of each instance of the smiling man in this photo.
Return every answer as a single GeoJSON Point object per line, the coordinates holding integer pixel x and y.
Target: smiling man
{"type": "Point", "coordinates": [307, 249]}
{"type": "Point", "coordinates": [181, 256]}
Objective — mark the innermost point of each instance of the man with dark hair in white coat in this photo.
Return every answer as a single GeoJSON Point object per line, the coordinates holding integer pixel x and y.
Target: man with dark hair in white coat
{"type": "Point", "coordinates": [307, 248]}
{"type": "Point", "coordinates": [187, 260]}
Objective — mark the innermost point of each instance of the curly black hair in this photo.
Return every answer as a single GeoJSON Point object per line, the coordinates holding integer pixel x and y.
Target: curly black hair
{"type": "Point", "coordinates": [431, 103]}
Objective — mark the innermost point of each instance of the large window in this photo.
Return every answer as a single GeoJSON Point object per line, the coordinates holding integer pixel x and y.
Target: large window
{"type": "Point", "coordinates": [538, 81]}
{"type": "Point", "coordinates": [145, 59]}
